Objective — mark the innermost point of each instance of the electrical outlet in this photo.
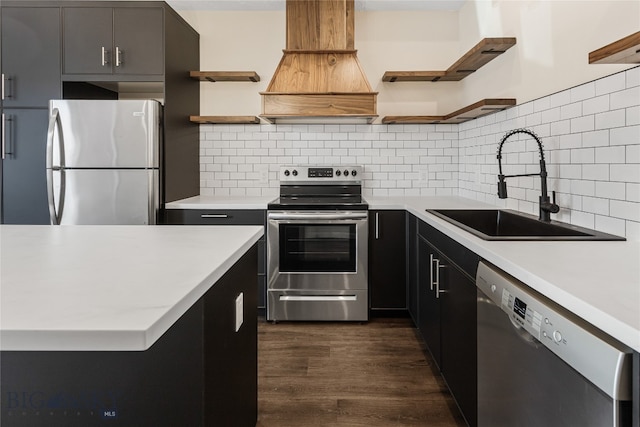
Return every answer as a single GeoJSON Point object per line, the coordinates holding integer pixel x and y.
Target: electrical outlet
{"type": "Point", "coordinates": [239, 311]}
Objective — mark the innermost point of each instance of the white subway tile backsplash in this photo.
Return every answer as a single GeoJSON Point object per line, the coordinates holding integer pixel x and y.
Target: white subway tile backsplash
{"type": "Point", "coordinates": [610, 154]}
{"type": "Point", "coordinates": [610, 119]}
{"type": "Point", "coordinates": [625, 173]}
{"type": "Point", "coordinates": [609, 84]}
{"type": "Point", "coordinates": [591, 137]}
{"type": "Point", "coordinates": [625, 98]}
{"type": "Point", "coordinates": [625, 136]}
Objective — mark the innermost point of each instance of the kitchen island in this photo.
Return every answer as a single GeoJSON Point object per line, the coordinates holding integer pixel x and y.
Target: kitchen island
{"type": "Point", "coordinates": [128, 325]}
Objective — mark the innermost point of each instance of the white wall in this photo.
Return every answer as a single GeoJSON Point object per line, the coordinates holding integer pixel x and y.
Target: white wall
{"type": "Point", "coordinates": [554, 39]}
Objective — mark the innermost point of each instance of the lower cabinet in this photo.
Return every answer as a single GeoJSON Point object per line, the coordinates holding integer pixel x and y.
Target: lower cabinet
{"type": "Point", "coordinates": [447, 313]}
{"type": "Point", "coordinates": [227, 217]}
{"type": "Point", "coordinates": [387, 261]}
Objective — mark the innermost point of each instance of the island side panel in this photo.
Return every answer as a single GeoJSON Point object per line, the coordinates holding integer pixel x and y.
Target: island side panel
{"type": "Point", "coordinates": [231, 361]}
{"type": "Point", "coordinates": [201, 372]}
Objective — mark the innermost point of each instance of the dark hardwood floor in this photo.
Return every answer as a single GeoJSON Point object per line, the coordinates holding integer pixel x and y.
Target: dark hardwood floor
{"type": "Point", "coordinates": [349, 374]}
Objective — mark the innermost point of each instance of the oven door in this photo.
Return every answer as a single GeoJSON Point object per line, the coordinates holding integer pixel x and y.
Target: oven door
{"type": "Point", "coordinates": [317, 266]}
{"type": "Point", "coordinates": [311, 250]}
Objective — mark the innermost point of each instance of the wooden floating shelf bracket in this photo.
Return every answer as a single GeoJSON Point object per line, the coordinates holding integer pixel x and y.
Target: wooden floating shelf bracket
{"type": "Point", "coordinates": [623, 51]}
{"type": "Point", "coordinates": [470, 112]}
{"type": "Point", "coordinates": [474, 59]}
{"type": "Point", "coordinates": [225, 76]}
{"type": "Point", "coordinates": [225, 120]}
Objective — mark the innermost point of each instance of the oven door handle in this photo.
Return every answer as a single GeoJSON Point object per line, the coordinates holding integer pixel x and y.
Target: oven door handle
{"type": "Point", "coordinates": [280, 216]}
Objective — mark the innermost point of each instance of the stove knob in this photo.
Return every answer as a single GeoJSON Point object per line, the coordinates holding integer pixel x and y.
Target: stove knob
{"type": "Point", "coordinates": [354, 172]}
{"type": "Point", "coordinates": [286, 172]}
{"type": "Point", "coordinates": [346, 172]}
{"type": "Point", "coordinates": [295, 172]}
{"type": "Point", "coordinates": [338, 173]}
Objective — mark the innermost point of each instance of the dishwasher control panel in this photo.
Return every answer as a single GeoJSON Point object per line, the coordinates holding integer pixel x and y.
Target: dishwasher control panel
{"type": "Point", "coordinates": [584, 347]}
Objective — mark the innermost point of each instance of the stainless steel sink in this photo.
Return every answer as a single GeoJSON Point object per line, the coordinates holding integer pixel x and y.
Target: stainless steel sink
{"type": "Point", "coordinates": [501, 224]}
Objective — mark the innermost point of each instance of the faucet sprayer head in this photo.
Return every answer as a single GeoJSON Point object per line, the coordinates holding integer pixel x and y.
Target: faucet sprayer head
{"type": "Point", "coordinates": [502, 187]}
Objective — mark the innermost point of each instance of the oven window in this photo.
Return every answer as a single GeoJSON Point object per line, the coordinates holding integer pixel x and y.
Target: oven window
{"type": "Point", "coordinates": [318, 248]}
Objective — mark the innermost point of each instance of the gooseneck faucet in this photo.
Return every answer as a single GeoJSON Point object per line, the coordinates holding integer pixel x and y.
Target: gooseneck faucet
{"type": "Point", "coordinates": [547, 207]}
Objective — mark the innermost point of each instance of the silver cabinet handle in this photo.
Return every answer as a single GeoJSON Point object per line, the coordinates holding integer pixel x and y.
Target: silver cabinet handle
{"type": "Point", "coordinates": [3, 86]}
{"type": "Point", "coordinates": [118, 57]}
{"type": "Point", "coordinates": [431, 282]}
{"type": "Point", "coordinates": [437, 281]}
{"type": "Point", "coordinates": [214, 216]}
{"type": "Point", "coordinates": [4, 141]}
{"type": "Point", "coordinates": [377, 226]}
{"type": "Point", "coordinates": [104, 57]}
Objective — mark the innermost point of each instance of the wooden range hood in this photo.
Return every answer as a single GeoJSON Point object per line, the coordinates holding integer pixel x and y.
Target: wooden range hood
{"type": "Point", "coordinates": [319, 78]}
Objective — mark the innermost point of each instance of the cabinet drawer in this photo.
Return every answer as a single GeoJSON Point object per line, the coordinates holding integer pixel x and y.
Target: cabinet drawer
{"type": "Point", "coordinates": [215, 217]}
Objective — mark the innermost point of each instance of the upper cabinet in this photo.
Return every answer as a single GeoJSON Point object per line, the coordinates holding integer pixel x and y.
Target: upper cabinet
{"type": "Point", "coordinates": [30, 56]}
{"type": "Point", "coordinates": [118, 41]}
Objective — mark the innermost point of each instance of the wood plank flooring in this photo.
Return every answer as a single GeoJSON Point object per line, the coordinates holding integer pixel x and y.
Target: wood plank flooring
{"type": "Point", "coordinates": [349, 374]}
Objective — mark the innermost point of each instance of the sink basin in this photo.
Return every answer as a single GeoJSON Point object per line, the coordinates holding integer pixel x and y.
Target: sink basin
{"type": "Point", "coordinates": [501, 224]}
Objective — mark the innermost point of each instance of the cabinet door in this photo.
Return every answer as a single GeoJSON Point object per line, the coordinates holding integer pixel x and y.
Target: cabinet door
{"type": "Point", "coordinates": [387, 261]}
{"type": "Point", "coordinates": [88, 40]}
{"type": "Point", "coordinates": [138, 40]}
{"type": "Point", "coordinates": [24, 188]}
{"type": "Point", "coordinates": [428, 303]}
{"type": "Point", "coordinates": [412, 267]}
{"type": "Point", "coordinates": [30, 56]}
{"type": "Point", "coordinates": [458, 352]}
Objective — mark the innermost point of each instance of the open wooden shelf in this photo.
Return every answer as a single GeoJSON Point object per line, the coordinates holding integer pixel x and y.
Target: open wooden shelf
{"type": "Point", "coordinates": [226, 76]}
{"type": "Point", "coordinates": [478, 56]}
{"type": "Point", "coordinates": [225, 120]}
{"type": "Point", "coordinates": [470, 112]}
{"type": "Point", "coordinates": [623, 51]}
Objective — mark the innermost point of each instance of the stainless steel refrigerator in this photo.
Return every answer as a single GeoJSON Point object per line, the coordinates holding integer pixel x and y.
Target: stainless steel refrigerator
{"type": "Point", "coordinates": [103, 161]}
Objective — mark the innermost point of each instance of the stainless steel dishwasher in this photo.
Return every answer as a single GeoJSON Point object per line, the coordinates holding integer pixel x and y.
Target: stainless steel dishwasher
{"type": "Point", "coordinates": [539, 365]}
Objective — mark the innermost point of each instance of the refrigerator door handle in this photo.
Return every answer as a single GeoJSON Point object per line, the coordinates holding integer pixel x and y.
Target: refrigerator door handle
{"type": "Point", "coordinates": [54, 123]}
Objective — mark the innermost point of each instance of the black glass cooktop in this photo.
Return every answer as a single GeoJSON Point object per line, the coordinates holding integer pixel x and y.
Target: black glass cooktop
{"type": "Point", "coordinates": [319, 203]}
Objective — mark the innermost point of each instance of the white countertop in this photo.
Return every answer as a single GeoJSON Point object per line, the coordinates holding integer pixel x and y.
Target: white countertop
{"type": "Point", "coordinates": [107, 288]}
{"type": "Point", "coordinates": [597, 280]}
{"type": "Point", "coordinates": [222, 202]}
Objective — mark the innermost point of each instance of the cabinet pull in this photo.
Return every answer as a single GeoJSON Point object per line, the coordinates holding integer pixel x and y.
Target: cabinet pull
{"type": "Point", "coordinates": [4, 142]}
{"type": "Point", "coordinates": [377, 226]}
{"type": "Point", "coordinates": [6, 81]}
{"type": "Point", "coordinates": [431, 282]}
{"type": "Point", "coordinates": [214, 216]}
{"type": "Point", "coordinates": [118, 57]}
{"type": "Point", "coordinates": [437, 282]}
{"type": "Point", "coordinates": [104, 56]}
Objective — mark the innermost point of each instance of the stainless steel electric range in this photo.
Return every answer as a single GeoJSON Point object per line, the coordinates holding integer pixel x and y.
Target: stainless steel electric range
{"type": "Point", "coordinates": [317, 246]}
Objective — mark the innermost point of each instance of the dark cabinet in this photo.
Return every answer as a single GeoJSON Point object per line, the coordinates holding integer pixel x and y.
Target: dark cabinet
{"type": "Point", "coordinates": [387, 261]}
{"type": "Point", "coordinates": [24, 191]}
{"type": "Point", "coordinates": [30, 56]}
{"type": "Point", "coordinates": [54, 49]}
{"type": "Point", "coordinates": [412, 266]}
{"type": "Point", "coordinates": [227, 217]}
{"type": "Point", "coordinates": [429, 306]}
{"type": "Point", "coordinates": [124, 40]}
{"type": "Point", "coordinates": [447, 313]}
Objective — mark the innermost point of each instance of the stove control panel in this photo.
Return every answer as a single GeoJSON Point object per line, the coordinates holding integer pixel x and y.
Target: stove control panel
{"type": "Point", "coordinates": [321, 174]}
